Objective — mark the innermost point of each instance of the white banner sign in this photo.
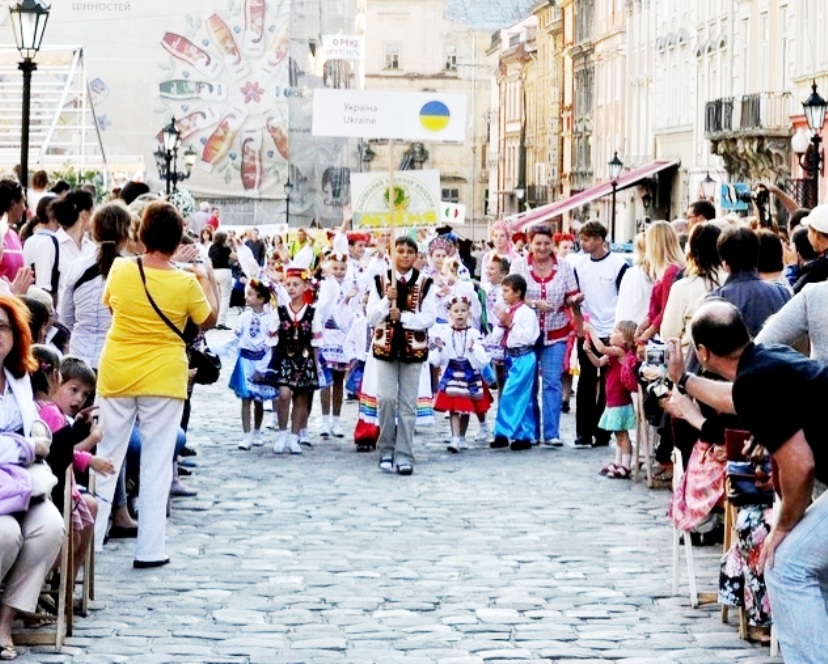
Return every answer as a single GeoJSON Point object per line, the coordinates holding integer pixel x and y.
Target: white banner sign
{"type": "Point", "coordinates": [453, 214]}
{"type": "Point", "coordinates": [415, 202]}
{"type": "Point", "coordinates": [407, 116]}
{"type": "Point", "coordinates": [343, 47]}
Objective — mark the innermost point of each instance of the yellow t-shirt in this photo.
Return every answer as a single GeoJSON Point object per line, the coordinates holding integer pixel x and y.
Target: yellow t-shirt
{"type": "Point", "coordinates": [142, 356]}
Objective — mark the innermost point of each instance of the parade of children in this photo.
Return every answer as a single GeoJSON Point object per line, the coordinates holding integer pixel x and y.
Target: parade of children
{"type": "Point", "coordinates": [389, 327]}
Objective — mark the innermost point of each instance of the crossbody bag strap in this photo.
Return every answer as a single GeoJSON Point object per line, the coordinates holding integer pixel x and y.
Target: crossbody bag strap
{"type": "Point", "coordinates": [160, 313]}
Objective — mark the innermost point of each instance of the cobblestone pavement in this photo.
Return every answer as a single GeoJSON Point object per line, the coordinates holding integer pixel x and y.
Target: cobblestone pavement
{"type": "Point", "coordinates": [488, 556]}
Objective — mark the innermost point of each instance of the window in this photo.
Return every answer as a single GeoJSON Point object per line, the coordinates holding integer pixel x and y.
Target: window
{"type": "Point", "coordinates": [450, 195]}
{"type": "Point", "coordinates": [392, 55]}
{"type": "Point", "coordinates": [451, 59]}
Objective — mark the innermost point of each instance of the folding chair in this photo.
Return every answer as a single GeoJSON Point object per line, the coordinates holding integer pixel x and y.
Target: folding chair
{"type": "Point", "coordinates": [696, 598]}
{"type": "Point", "coordinates": [643, 441]}
{"type": "Point", "coordinates": [58, 583]}
{"type": "Point", "coordinates": [87, 583]}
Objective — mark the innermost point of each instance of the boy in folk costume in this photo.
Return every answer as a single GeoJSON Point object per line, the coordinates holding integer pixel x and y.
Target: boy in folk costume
{"type": "Point", "coordinates": [401, 315]}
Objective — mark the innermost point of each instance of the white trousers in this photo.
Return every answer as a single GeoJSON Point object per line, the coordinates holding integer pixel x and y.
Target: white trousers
{"type": "Point", "coordinates": [158, 421]}
{"type": "Point", "coordinates": [224, 281]}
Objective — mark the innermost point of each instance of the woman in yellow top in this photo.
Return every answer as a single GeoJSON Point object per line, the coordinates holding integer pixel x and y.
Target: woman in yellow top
{"type": "Point", "coordinates": [143, 369]}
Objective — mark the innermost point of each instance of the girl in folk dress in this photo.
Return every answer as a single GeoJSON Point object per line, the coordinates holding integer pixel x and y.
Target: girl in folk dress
{"type": "Point", "coordinates": [296, 331]}
{"type": "Point", "coordinates": [619, 414]}
{"type": "Point", "coordinates": [252, 357]}
{"type": "Point", "coordinates": [336, 304]}
{"type": "Point", "coordinates": [496, 269]}
{"type": "Point", "coordinates": [461, 390]}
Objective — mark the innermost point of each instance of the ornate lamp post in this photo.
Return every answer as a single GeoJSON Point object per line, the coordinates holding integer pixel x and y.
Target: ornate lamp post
{"type": "Point", "coordinates": [166, 158]}
{"type": "Point", "coordinates": [288, 192]}
{"type": "Point", "coordinates": [708, 187]}
{"type": "Point", "coordinates": [615, 166]}
{"type": "Point", "coordinates": [28, 18]}
{"type": "Point", "coordinates": [520, 193]}
{"type": "Point", "coordinates": [809, 152]}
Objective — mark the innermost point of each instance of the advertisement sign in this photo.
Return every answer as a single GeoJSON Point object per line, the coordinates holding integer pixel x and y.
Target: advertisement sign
{"type": "Point", "coordinates": [415, 200]}
{"type": "Point", "coordinates": [734, 197]}
{"type": "Point", "coordinates": [343, 47]}
{"type": "Point", "coordinates": [407, 116]}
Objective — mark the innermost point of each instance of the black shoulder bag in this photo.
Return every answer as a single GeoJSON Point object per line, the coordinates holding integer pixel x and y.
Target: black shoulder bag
{"type": "Point", "coordinates": [206, 363]}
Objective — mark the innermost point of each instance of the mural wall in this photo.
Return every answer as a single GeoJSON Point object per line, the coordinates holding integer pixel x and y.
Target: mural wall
{"type": "Point", "coordinates": [238, 76]}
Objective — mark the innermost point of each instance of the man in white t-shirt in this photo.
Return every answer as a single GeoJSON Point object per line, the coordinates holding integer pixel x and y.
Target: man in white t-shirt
{"type": "Point", "coordinates": [599, 273]}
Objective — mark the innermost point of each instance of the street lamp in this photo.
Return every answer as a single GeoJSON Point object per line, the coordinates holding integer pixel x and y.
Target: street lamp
{"type": "Point", "coordinates": [520, 192]}
{"type": "Point", "coordinates": [708, 187]}
{"type": "Point", "coordinates": [288, 192]}
{"type": "Point", "coordinates": [810, 154]}
{"type": "Point", "coordinates": [615, 166]}
{"type": "Point", "coordinates": [28, 18]}
{"type": "Point", "coordinates": [166, 157]}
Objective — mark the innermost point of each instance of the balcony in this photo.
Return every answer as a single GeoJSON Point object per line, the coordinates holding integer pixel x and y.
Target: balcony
{"type": "Point", "coordinates": [536, 195]}
{"type": "Point", "coordinates": [751, 133]}
{"type": "Point", "coordinates": [763, 113]}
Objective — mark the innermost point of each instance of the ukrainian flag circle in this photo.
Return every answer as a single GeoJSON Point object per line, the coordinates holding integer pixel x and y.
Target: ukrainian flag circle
{"type": "Point", "coordinates": [435, 116]}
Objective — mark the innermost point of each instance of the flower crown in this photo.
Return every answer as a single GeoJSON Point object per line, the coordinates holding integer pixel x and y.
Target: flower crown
{"type": "Point", "coordinates": [263, 280]}
{"type": "Point", "coordinates": [460, 298]}
{"type": "Point", "coordinates": [299, 272]}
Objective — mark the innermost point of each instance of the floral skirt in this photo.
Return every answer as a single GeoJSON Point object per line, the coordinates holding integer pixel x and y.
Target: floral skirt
{"type": "Point", "coordinates": [700, 489]}
{"type": "Point", "coordinates": [741, 581]}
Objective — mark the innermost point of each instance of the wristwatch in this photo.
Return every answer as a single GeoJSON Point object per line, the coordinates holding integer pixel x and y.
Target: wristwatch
{"type": "Point", "coordinates": [681, 385]}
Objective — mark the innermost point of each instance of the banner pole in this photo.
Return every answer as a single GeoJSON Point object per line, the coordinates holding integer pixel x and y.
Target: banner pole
{"type": "Point", "coordinates": [391, 197]}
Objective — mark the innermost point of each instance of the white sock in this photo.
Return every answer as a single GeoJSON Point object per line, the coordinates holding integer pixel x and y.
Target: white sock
{"type": "Point", "coordinates": [335, 420]}
{"type": "Point", "coordinates": [326, 421]}
{"type": "Point", "coordinates": [625, 460]}
{"type": "Point", "coordinates": [257, 432]}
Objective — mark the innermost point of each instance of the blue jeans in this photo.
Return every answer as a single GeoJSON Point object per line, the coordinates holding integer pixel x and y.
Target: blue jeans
{"type": "Point", "coordinates": [798, 587]}
{"type": "Point", "coordinates": [550, 362]}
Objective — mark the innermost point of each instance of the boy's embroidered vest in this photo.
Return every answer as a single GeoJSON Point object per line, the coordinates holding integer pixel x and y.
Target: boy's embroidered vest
{"type": "Point", "coordinates": [391, 340]}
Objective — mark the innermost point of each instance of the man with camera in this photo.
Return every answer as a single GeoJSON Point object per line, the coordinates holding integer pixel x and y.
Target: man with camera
{"type": "Point", "coordinates": [779, 395]}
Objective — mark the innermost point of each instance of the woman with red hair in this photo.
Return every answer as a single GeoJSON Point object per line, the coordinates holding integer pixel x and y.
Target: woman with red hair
{"type": "Point", "coordinates": [31, 531]}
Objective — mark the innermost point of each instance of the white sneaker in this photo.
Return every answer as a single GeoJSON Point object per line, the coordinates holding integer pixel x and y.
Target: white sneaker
{"type": "Point", "coordinates": [293, 445]}
{"type": "Point", "coordinates": [326, 430]}
{"type": "Point", "coordinates": [247, 442]}
{"type": "Point", "coordinates": [483, 434]}
{"type": "Point", "coordinates": [304, 438]}
{"type": "Point", "coordinates": [258, 441]}
{"type": "Point", "coordinates": [463, 444]}
{"type": "Point", "coordinates": [454, 445]}
{"type": "Point", "coordinates": [336, 430]}
{"type": "Point", "coordinates": [552, 442]}
{"type": "Point", "coordinates": [273, 424]}
{"type": "Point", "coordinates": [281, 442]}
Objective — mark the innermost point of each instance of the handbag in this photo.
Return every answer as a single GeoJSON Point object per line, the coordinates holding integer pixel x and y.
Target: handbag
{"type": "Point", "coordinates": [741, 484]}
{"type": "Point", "coordinates": [206, 363]}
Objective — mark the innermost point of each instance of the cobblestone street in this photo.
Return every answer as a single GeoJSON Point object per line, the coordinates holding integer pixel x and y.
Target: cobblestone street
{"type": "Point", "coordinates": [489, 556]}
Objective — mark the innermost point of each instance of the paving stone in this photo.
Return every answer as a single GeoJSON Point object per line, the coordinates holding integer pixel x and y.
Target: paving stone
{"type": "Point", "coordinates": [481, 557]}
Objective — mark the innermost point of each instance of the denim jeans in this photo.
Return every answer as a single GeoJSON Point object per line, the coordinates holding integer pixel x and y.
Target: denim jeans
{"type": "Point", "coordinates": [550, 363]}
{"type": "Point", "coordinates": [798, 587]}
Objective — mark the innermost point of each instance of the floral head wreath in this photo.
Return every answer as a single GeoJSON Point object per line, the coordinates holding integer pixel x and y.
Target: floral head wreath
{"type": "Point", "coordinates": [440, 243]}
{"type": "Point", "coordinates": [460, 298]}
{"type": "Point", "coordinates": [263, 280]}
{"type": "Point", "coordinates": [299, 272]}
{"type": "Point", "coordinates": [338, 258]}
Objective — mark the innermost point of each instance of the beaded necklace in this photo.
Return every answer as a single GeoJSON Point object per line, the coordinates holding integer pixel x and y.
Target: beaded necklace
{"type": "Point", "coordinates": [462, 351]}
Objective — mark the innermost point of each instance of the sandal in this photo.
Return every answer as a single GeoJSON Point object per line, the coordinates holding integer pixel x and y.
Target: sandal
{"type": "Point", "coordinates": [620, 473]}
{"type": "Point", "coordinates": [609, 468]}
{"type": "Point", "coordinates": [8, 653]}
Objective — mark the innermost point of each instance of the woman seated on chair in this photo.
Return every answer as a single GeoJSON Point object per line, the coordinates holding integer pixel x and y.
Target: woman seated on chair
{"type": "Point", "coordinates": [31, 532]}
{"type": "Point", "coordinates": [701, 490]}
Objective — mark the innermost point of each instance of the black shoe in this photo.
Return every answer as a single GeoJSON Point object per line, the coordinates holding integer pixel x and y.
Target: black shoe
{"type": "Point", "coordinates": [601, 442]}
{"type": "Point", "coordinates": [405, 469]}
{"type": "Point", "coordinates": [146, 564]}
{"type": "Point", "coordinates": [519, 445]}
{"type": "Point", "coordinates": [582, 441]}
{"type": "Point", "coordinates": [221, 327]}
{"type": "Point", "coordinates": [188, 452]}
{"type": "Point", "coordinates": [499, 442]}
{"type": "Point", "coordinates": [121, 532]}
{"type": "Point", "coordinates": [565, 408]}
{"type": "Point", "coordinates": [184, 472]}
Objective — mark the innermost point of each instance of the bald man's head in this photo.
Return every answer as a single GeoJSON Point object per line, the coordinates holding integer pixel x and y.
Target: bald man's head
{"type": "Point", "coordinates": [718, 326]}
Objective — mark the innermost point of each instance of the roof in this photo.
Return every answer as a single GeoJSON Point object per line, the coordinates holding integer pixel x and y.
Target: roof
{"type": "Point", "coordinates": [488, 14]}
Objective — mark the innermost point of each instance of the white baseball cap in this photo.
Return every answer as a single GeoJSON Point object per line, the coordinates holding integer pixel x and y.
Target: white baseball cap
{"type": "Point", "coordinates": [817, 219]}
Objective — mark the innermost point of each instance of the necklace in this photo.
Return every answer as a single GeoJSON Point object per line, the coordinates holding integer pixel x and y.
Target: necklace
{"type": "Point", "coordinates": [462, 351]}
